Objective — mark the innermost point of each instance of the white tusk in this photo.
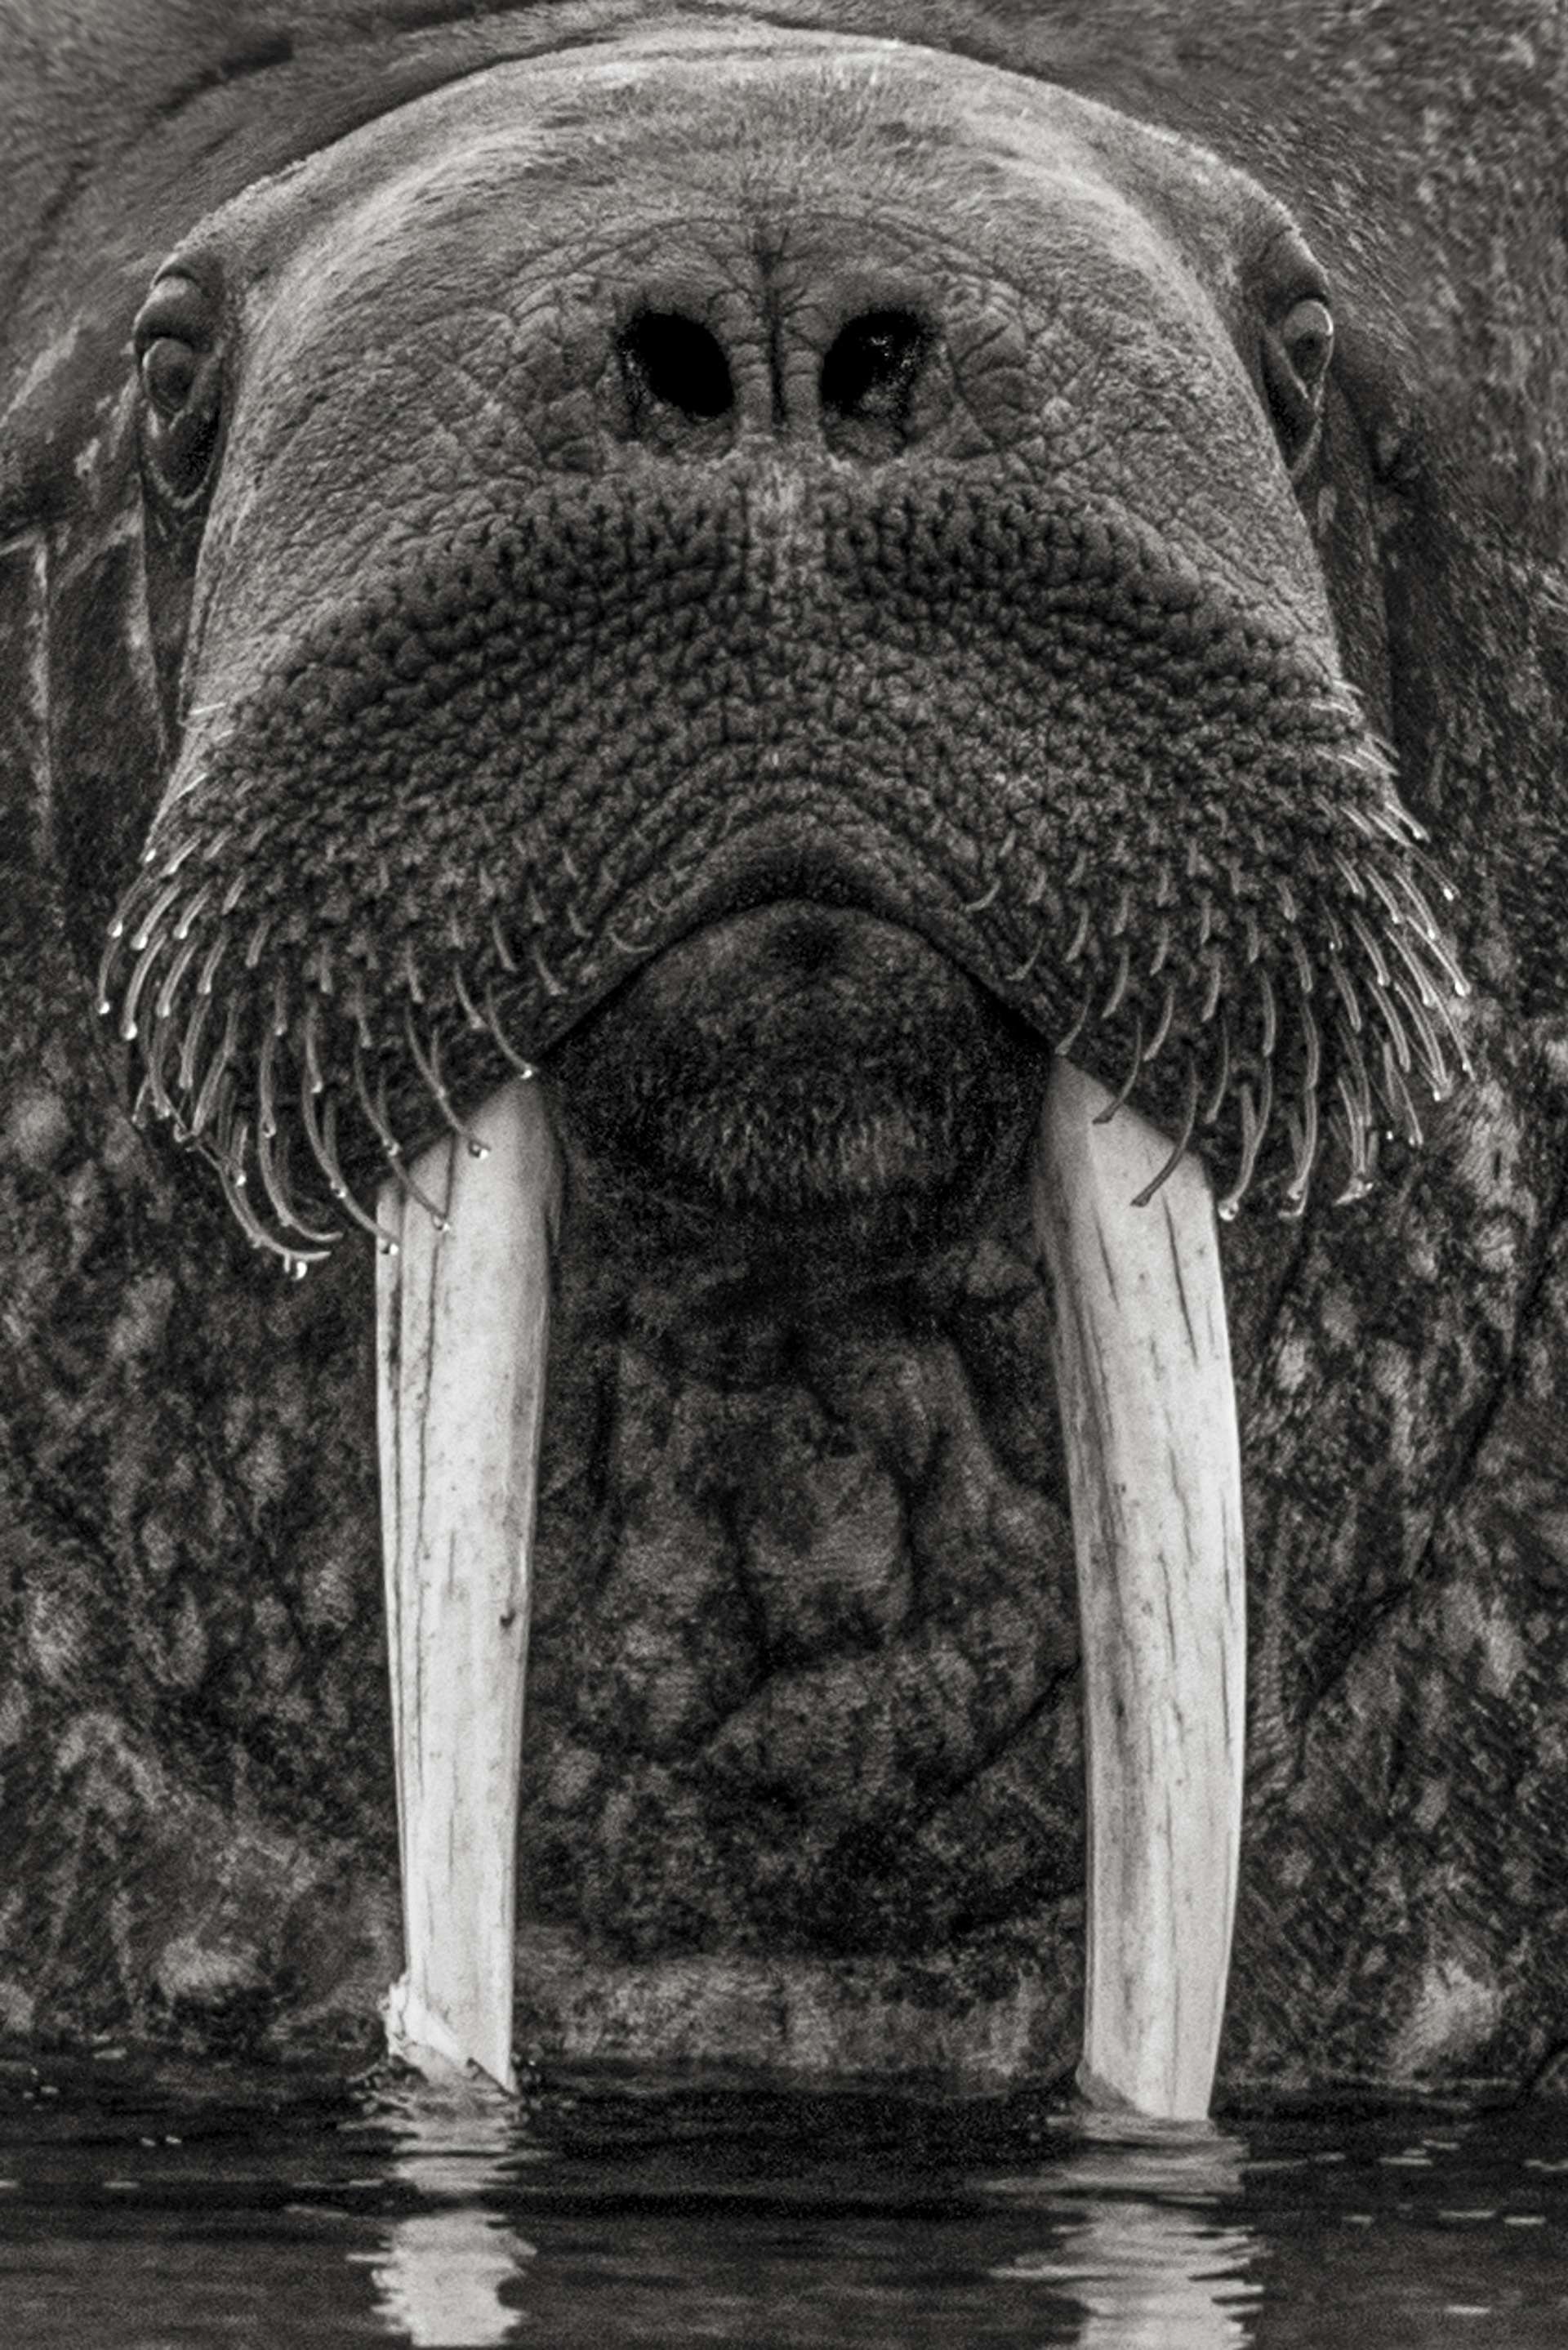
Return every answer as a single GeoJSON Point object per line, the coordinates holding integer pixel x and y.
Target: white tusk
{"type": "Point", "coordinates": [1149, 1417]}
{"type": "Point", "coordinates": [461, 1337]}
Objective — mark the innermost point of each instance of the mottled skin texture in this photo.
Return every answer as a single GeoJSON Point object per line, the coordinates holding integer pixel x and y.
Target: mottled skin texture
{"type": "Point", "coordinates": [803, 1758]}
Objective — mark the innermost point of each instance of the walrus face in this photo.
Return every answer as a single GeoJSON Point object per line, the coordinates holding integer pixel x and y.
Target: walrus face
{"type": "Point", "coordinates": [588, 573]}
{"type": "Point", "coordinates": [775, 643]}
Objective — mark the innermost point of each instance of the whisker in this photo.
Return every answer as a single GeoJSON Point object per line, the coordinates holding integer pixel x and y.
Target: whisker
{"type": "Point", "coordinates": [1438, 1077]}
{"type": "Point", "coordinates": [196, 1022]}
{"type": "Point", "coordinates": [175, 974]}
{"type": "Point", "coordinates": [1418, 969]}
{"type": "Point", "coordinates": [470, 1012]}
{"type": "Point", "coordinates": [1443, 1011]}
{"type": "Point", "coordinates": [1434, 873]}
{"type": "Point", "coordinates": [201, 1115]}
{"type": "Point", "coordinates": [1162, 1026]}
{"type": "Point", "coordinates": [1371, 948]}
{"type": "Point", "coordinates": [1104, 1117]}
{"type": "Point", "coordinates": [1022, 971]}
{"type": "Point", "coordinates": [1220, 1087]}
{"type": "Point", "coordinates": [1312, 1048]}
{"type": "Point", "coordinates": [1301, 961]}
{"type": "Point", "coordinates": [524, 1066]}
{"type": "Point", "coordinates": [391, 1149]}
{"type": "Point", "coordinates": [1142, 1199]}
{"type": "Point", "coordinates": [1397, 1094]}
{"type": "Point", "coordinates": [1388, 1013]}
{"type": "Point", "coordinates": [316, 1082]}
{"type": "Point", "coordinates": [552, 985]}
{"type": "Point", "coordinates": [192, 911]}
{"type": "Point", "coordinates": [275, 1182]}
{"type": "Point", "coordinates": [1118, 985]}
{"type": "Point", "coordinates": [359, 1011]}
{"type": "Point", "coordinates": [231, 1175]}
{"type": "Point", "coordinates": [154, 916]}
{"type": "Point", "coordinates": [323, 1141]}
{"type": "Point", "coordinates": [139, 977]}
{"type": "Point", "coordinates": [1304, 1136]}
{"type": "Point", "coordinates": [1382, 891]}
{"type": "Point", "coordinates": [1066, 1043]}
{"type": "Point", "coordinates": [1346, 990]}
{"type": "Point", "coordinates": [429, 1070]}
{"type": "Point", "coordinates": [1355, 1067]}
{"type": "Point", "coordinates": [1253, 1126]}
{"type": "Point", "coordinates": [1353, 1142]}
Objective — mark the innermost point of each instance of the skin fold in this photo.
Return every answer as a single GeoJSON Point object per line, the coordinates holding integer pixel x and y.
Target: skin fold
{"type": "Point", "coordinates": [795, 521]}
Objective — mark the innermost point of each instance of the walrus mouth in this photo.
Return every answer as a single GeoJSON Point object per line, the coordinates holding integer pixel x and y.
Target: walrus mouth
{"type": "Point", "coordinates": [1125, 1222]}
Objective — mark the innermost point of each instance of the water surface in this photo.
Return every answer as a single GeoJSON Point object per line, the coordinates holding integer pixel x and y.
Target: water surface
{"type": "Point", "coordinates": [146, 2207]}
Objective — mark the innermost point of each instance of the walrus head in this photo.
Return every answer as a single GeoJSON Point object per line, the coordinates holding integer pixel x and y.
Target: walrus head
{"type": "Point", "coordinates": [780, 670]}
{"type": "Point", "coordinates": [776, 657]}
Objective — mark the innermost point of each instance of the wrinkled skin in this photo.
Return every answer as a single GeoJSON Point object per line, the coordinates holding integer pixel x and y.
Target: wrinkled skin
{"type": "Point", "coordinates": [791, 720]}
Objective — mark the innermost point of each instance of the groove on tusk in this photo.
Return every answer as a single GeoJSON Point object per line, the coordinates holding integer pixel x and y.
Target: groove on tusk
{"type": "Point", "coordinates": [462, 1334]}
{"type": "Point", "coordinates": [1148, 1417]}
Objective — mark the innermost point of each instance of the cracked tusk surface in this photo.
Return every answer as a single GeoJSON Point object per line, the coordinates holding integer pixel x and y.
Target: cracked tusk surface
{"type": "Point", "coordinates": [462, 1326]}
{"type": "Point", "coordinates": [1148, 1414]}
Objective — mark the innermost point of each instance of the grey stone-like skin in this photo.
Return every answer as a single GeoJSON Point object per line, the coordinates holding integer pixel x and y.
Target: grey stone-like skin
{"type": "Point", "coordinates": [799, 534]}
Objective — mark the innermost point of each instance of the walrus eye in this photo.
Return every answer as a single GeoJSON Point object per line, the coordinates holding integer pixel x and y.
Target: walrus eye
{"type": "Point", "coordinates": [169, 371]}
{"type": "Point", "coordinates": [1295, 359]}
{"type": "Point", "coordinates": [181, 370]}
{"type": "Point", "coordinates": [1306, 334]}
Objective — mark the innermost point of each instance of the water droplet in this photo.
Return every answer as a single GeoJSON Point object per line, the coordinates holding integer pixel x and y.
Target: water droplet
{"type": "Point", "coordinates": [479, 1149]}
{"type": "Point", "coordinates": [443, 1225]}
{"type": "Point", "coordinates": [296, 1267]}
{"type": "Point", "coordinates": [104, 1008]}
{"type": "Point", "coordinates": [386, 1248]}
{"type": "Point", "coordinates": [1227, 1211]}
{"type": "Point", "coordinates": [116, 928]}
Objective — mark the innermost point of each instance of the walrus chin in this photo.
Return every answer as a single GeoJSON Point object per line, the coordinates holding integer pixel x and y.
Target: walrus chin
{"type": "Point", "coordinates": [1144, 1389]}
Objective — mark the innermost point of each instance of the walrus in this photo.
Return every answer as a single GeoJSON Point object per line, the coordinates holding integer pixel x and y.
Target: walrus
{"type": "Point", "coordinates": [823, 747]}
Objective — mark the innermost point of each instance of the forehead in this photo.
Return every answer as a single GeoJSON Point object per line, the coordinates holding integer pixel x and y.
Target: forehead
{"type": "Point", "coordinates": [758, 130]}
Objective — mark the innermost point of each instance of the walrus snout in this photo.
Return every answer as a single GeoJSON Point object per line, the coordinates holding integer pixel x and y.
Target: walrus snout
{"type": "Point", "coordinates": [802, 1076]}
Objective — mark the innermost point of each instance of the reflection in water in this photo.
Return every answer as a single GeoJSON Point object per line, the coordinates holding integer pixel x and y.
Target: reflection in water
{"type": "Point", "coordinates": [437, 2285]}
{"type": "Point", "coordinates": [1136, 2249]}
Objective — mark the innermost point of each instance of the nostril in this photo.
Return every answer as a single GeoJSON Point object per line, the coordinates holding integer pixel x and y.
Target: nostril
{"type": "Point", "coordinates": [872, 364]}
{"type": "Point", "coordinates": [677, 363]}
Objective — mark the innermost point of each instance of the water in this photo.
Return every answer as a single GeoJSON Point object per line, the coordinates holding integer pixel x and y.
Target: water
{"type": "Point", "coordinates": [144, 2209]}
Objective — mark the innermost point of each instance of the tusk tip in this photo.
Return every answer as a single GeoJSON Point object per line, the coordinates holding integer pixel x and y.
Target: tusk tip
{"type": "Point", "coordinates": [418, 2036]}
